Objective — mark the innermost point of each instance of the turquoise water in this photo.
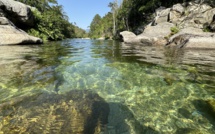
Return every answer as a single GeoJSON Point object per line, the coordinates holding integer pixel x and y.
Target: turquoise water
{"type": "Point", "coordinates": [147, 89]}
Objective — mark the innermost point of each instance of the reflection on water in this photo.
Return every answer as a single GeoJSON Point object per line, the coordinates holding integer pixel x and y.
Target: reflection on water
{"type": "Point", "coordinates": [141, 89]}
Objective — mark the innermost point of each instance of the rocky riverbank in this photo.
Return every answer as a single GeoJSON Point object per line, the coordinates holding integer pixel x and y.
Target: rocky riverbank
{"type": "Point", "coordinates": [14, 16]}
{"type": "Point", "coordinates": [189, 25]}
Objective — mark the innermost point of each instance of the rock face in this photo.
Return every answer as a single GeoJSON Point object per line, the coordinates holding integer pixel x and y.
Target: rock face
{"type": "Point", "coordinates": [190, 19]}
{"type": "Point", "coordinates": [14, 14]}
{"type": "Point", "coordinates": [18, 13]}
{"type": "Point", "coordinates": [11, 35]}
{"type": "Point", "coordinates": [192, 38]}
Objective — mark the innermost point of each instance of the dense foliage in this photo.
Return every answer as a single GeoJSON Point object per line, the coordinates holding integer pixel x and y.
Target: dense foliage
{"type": "Point", "coordinates": [101, 26]}
{"type": "Point", "coordinates": [51, 21]}
{"type": "Point", "coordinates": [79, 33]}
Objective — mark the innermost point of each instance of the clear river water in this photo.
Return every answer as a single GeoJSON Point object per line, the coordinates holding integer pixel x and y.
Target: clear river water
{"type": "Point", "coordinates": [65, 87]}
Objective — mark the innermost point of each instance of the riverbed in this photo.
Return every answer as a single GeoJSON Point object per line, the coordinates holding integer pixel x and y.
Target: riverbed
{"type": "Point", "coordinates": [147, 89]}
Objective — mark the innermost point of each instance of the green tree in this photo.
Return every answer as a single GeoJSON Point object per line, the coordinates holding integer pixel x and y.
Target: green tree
{"type": "Point", "coordinates": [102, 26]}
{"type": "Point", "coordinates": [114, 8]}
{"type": "Point", "coordinates": [95, 31]}
{"type": "Point", "coordinates": [51, 21]}
{"type": "Point", "coordinates": [41, 5]}
{"type": "Point", "coordinates": [123, 15]}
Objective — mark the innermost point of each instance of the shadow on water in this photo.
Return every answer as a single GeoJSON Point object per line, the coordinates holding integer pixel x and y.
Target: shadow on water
{"type": "Point", "coordinates": [76, 112]}
{"type": "Point", "coordinates": [122, 120]}
{"type": "Point", "coordinates": [205, 109]}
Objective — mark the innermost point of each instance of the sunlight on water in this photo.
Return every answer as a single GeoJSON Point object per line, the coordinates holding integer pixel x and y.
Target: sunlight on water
{"type": "Point", "coordinates": [165, 91]}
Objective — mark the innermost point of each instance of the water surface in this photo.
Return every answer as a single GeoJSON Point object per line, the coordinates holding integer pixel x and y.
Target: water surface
{"type": "Point", "coordinates": [147, 89]}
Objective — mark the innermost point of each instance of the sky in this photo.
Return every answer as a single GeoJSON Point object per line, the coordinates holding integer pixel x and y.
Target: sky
{"type": "Point", "coordinates": [82, 11]}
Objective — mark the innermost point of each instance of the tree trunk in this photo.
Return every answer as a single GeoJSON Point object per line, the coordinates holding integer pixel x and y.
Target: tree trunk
{"type": "Point", "coordinates": [114, 24]}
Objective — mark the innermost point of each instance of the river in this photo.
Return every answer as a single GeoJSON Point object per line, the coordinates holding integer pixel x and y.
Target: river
{"type": "Point", "coordinates": [145, 89]}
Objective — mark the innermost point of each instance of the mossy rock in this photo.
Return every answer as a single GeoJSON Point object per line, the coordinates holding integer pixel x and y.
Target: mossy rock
{"type": "Point", "coordinates": [76, 112]}
{"type": "Point", "coordinates": [212, 105]}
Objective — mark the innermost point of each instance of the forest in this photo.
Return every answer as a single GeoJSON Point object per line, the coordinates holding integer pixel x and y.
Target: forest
{"type": "Point", "coordinates": [130, 15]}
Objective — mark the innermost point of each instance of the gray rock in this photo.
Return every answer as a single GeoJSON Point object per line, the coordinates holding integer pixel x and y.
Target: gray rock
{"type": "Point", "coordinates": [5, 21]}
{"type": "Point", "coordinates": [193, 38]}
{"type": "Point", "coordinates": [17, 12]}
{"type": "Point", "coordinates": [178, 8]}
{"type": "Point", "coordinates": [162, 16]}
{"type": "Point", "coordinates": [160, 30]}
{"type": "Point", "coordinates": [176, 13]}
{"type": "Point", "coordinates": [196, 16]}
{"type": "Point", "coordinates": [169, 14]}
{"type": "Point", "coordinates": [188, 30]}
{"type": "Point", "coordinates": [13, 12]}
{"type": "Point", "coordinates": [129, 37]}
{"type": "Point", "coordinates": [151, 35]}
{"type": "Point", "coordinates": [11, 35]}
{"type": "Point", "coordinates": [158, 10]}
{"type": "Point", "coordinates": [196, 8]}
{"type": "Point", "coordinates": [156, 34]}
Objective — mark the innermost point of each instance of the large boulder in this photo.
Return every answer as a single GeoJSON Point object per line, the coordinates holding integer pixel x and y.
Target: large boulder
{"type": "Point", "coordinates": [160, 30]}
{"type": "Point", "coordinates": [156, 35]}
{"type": "Point", "coordinates": [151, 35]}
{"type": "Point", "coordinates": [76, 112]}
{"type": "Point", "coordinates": [11, 35]}
{"type": "Point", "coordinates": [129, 37]}
{"type": "Point", "coordinates": [19, 13]}
{"type": "Point", "coordinates": [13, 12]}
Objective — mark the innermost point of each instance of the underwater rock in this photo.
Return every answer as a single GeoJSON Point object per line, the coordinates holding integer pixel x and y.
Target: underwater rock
{"type": "Point", "coordinates": [211, 103]}
{"type": "Point", "coordinates": [76, 112]}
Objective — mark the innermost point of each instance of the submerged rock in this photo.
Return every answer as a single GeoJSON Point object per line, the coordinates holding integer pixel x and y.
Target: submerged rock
{"type": "Point", "coordinates": [75, 112]}
{"type": "Point", "coordinates": [211, 103]}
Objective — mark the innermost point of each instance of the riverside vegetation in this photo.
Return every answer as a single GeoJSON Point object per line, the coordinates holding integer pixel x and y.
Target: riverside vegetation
{"type": "Point", "coordinates": [51, 21]}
